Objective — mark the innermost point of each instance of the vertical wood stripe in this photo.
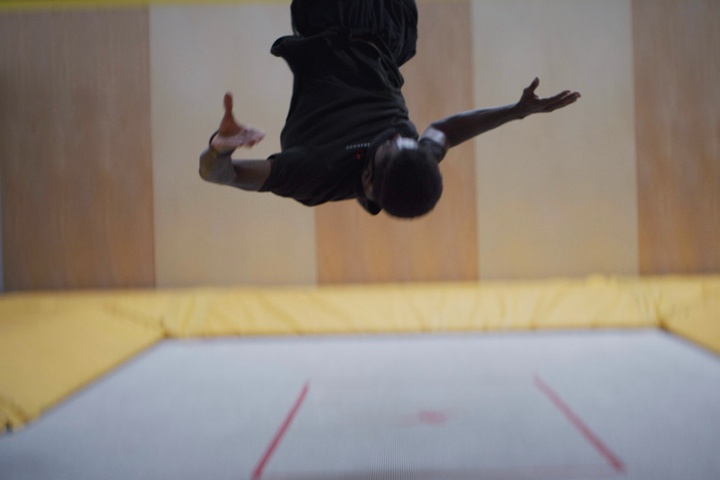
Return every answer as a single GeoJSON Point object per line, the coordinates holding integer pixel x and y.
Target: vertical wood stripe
{"type": "Point", "coordinates": [75, 149]}
{"type": "Point", "coordinates": [352, 246]}
{"type": "Point", "coordinates": [557, 191]}
{"type": "Point", "coordinates": [208, 234]}
{"type": "Point", "coordinates": [677, 72]}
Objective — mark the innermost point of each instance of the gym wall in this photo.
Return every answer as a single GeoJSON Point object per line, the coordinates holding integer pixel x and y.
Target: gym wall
{"type": "Point", "coordinates": [105, 107]}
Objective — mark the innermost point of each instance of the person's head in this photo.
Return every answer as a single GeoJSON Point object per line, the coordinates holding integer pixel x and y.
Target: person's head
{"type": "Point", "coordinates": [405, 179]}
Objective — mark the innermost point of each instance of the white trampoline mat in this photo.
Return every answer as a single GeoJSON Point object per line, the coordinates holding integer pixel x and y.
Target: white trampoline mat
{"type": "Point", "coordinates": [565, 405]}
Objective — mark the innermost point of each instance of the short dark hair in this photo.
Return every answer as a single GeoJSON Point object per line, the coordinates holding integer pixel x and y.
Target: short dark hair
{"type": "Point", "coordinates": [410, 185]}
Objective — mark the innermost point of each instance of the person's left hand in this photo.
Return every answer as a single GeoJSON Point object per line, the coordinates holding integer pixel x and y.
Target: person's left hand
{"type": "Point", "coordinates": [530, 103]}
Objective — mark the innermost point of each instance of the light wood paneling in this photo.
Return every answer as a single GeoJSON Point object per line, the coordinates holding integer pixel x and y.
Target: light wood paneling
{"type": "Point", "coordinates": [75, 149]}
{"type": "Point", "coordinates": [556, 192]}
{"type": "Point", "coordinates": [677, 73]}
{"type": "Point", "coordinates": [355, 247]}
{"type": "Point", "coordinates": [208, 234]}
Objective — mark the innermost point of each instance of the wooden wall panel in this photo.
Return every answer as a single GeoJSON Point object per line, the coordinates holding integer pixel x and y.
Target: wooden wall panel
{"type": "Point", "coordinates": [75, 149]}
{"type": "Point", "coordinates": [677, 73]}
{"type": "Point", "coordinates": [353, 246]}
{"type": "Point", "coordinates": [208, 234]}
{"type": "Point", "coordinates": [556, 192]}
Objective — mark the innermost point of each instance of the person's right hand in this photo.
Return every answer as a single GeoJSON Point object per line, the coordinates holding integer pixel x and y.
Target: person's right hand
{"type": "Point", "coordinates": [231, 134]}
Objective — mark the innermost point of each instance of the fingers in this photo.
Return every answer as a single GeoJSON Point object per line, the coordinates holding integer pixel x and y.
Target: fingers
{"type": "Point", "coordinates": [568, 97]}
{"type": "Point", "coordinates": [247, 137]}
{"type": "Point", "coordinates": [228, 102]}
{"type": "Point", "coordinates": [228, 125]}
{"type": "Point", "coordinates": [559, 101]}
{"type": "Point", "coordinates": [252, 137]}
{"type": "Point", "coordinates": [560, 96]}
{"type": "Point", "coordinates": [531, 88]}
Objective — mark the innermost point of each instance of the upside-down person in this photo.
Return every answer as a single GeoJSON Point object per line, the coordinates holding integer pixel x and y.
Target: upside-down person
{"type": "Point", "coordinates": [348, 134]}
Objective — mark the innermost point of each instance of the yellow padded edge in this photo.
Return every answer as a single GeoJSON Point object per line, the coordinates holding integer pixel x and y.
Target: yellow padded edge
{"type": "Point", "coordinates": [411, 308]}
{"type": "Point", "coordinates": [39, 5]}
{"type": "Point", "coordinates": [687, 307]}
{"type": "Point", "coordinates": [43, 5]}
{"type": "Point", "coordinates": [49, 349]}
{"type": "Point", "coordinates": [53, 344]}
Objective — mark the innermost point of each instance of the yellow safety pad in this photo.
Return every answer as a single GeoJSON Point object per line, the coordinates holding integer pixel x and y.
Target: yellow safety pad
{"type": "Point", "coordinates": [689, 308]}
{"type": "Point", "coordinates": [25, 5]}
{"type": "Point", "coordinates": [50, 346]}
{"type": "Point", "coordinates": [53, 344]}
{"type": "Point", "coordinates": [413, 308]}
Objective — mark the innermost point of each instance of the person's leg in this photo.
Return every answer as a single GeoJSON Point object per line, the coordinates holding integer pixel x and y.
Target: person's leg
{"type": "Point", "coordinates": [310, 17]}
{"type": "Point", "coordinates": [393, 22]}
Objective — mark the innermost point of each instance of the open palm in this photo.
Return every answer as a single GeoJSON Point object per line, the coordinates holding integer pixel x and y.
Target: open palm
{"type": "Point", "coordinates": [232, 134]}
{"type": "Point", "coordinates": [531, 103]}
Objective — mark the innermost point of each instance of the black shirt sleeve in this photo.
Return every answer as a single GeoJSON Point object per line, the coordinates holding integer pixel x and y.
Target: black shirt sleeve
{"type": "Point", "coordinates": [434, 149]}
{"type": "Point", "coordinates": [313, 176]}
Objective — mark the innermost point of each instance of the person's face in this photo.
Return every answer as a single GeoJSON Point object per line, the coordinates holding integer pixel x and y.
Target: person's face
{"type": "Point", "coordinates": [383, 154]}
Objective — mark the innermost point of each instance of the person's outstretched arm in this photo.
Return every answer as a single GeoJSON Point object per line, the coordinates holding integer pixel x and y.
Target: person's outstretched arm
{"type": "Point", "coordinates": [217, 166]}
{"type": "Point", "coordinates": [456, 129]}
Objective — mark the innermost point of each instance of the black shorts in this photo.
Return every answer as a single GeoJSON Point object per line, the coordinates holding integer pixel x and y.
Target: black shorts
{"type": "Point", "coordinates": [391, 22]}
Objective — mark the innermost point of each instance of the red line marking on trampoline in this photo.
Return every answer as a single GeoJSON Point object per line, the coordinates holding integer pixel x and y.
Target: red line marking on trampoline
{"type": "Point", "coordinates": [594, 440]}
{"type": "Point", "coordinates": [257, 473]}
